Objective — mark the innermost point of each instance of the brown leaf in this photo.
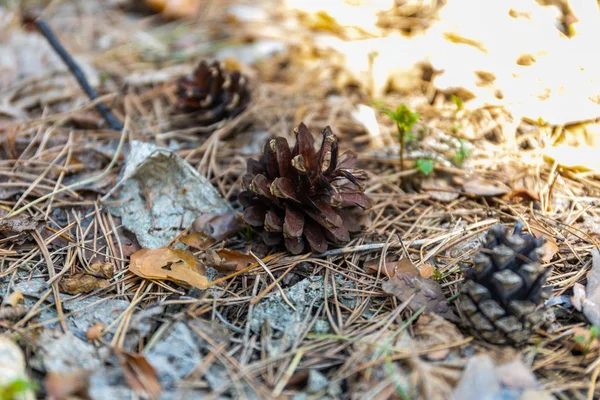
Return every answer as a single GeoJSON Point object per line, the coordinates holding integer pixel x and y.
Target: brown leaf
{"type": "Point", "coordinates": [218, 226]}
{"type": "Point", "coordinates": [93, 332]}
{"type": "Point", "coordinates": [225, 260]}
{"type": "Point", "coordinates": [81, 283]}
{"type": "Point", "coordinates": [197, 240]}
{"type": "Point", "coordinates": [102, 269]}
{"type": "Point", "coordinates": [139, 374]}
{"type": "Point", "coordinates": [426, 271]}
{"type": "Point", "coordinates": [550, 246]}
{"type": "Point", "coordinates": [175, 8]}
{"type": "Point", "coordinates": [485, 187]}
{"type": "Point", "coordinates": [390, 268]}
{"type": "Point", "coordinates": [431, 330]}
{"type": "Point", "coordinates": [428, 294]}
{"type": "Point", "coordinates": [67, 386]}
{"type": "Point", "coordinates": [519, 195]}
{"type": "Point", "coordinates": [174, 265]}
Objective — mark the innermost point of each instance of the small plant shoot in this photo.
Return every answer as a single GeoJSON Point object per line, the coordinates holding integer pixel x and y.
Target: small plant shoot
{"type": "Point", "coordinates": [462, 153]}
{"type": "Point", "coordinates": [404, 119]}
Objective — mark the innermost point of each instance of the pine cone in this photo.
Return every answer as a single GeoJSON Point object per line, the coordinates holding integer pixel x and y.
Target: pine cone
{"type": "Point", "coordinates": [502, 293]}
{"type": "Point", "coordinates": [212, 93]}
{"type": "Point", "coordinates": [302, 196]}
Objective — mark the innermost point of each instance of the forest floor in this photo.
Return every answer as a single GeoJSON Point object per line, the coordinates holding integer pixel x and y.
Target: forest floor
{"type": "Point", "coordinates": [272, 325]}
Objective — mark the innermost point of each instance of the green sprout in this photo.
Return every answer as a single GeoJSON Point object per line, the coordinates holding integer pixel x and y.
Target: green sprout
{"type": "Point", "coordinates": [458, 101]}
{"type": "Point", "coordinates": [16, 389]}
{"type": "Point", "coordinates": [425, 165]}
{"type": "Point", "coordinates": [587, 340]}
{"type": "Point", "coordinates": [462, 153]}
{"type": "Point", "coordinates": [404, 119]}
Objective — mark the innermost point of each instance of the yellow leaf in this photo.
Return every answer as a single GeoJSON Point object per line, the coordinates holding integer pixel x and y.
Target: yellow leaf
{"type": "Point", "coordinates": [13, 299]}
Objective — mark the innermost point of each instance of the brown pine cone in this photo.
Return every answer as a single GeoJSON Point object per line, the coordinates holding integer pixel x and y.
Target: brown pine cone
{"type": "Point", "coordinates": [301, 196]}
{"type": "Point", "coordinates": [503, 293]}
{"type": "Point", "coordinates": [212, 93]}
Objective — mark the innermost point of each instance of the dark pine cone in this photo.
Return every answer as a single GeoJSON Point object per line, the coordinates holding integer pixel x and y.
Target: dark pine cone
{"type": "Point", "coordinates": [502, 292]}
{"type": "Point", "coordinates": [212, 93]}
{"type": "Point", "coordinates": [302, 196]}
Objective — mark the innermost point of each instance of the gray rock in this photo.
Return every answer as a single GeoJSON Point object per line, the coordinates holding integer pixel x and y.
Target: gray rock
{"type": "Point", "coordinates": [65, 353]}
{"type": "Point", "coordinates": [175, 355]}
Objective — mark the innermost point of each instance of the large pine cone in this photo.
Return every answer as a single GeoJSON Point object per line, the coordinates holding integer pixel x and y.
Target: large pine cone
{"type": "Point", "coordinates": [502, 293]}
{"type": "Point", "coordinates": [212, 93]}
{"type": "Point", "coordinates": [302, 196]}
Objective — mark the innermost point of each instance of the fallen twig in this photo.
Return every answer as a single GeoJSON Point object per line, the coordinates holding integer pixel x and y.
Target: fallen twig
{"type": "Point", "coordinates": [44, 28]}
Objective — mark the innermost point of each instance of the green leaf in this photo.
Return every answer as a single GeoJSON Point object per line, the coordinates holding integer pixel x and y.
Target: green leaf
{"type": "Point", "coordinates": [390, 114]}
{"type": "Point", "coordinates": [405, 118]}
{"type": "Point", "coordinates": [425, 165]}
{"type": "Point", "coordinates": [594, 331]}
{"type": "Point", "coordinates": [579, 338]}
{"type": "Point", "coordinates": [19, 386]}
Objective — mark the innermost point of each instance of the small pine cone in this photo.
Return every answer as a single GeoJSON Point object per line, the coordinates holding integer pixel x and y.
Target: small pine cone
{"type": "Point", "coordinates": [212, 93]}
{"type": "Point", "coordinates": [301, 196]}
{"type": "Point", "coordinates": [502, 293]}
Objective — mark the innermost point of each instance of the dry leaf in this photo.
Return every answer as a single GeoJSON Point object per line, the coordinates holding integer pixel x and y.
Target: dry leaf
{"type": "Point", "coordinates": [520, 195]}
{"type": "Point", "coordinates": [390, 268]}
{"type": "Point", "coordinates": [439, 189]}
{"type": "Point", "coordinates": [197, 240]}
{"type": "Point", "coordinates": [68, 386]}
{"type": "Point", "coordinates": [19, 223]}
{"type": "Point", "coordinates": [102, 270]}
{"type": "Point", "coordinates": [139, 374]}
{"type": "Point", "coordinates": [225, 260]}
{"type": "Point", "coordinates": [94, 332]}
{"type": "Point", "coordinates": [81, 283]}
{"type": "Point", "coordinates": [175, 8]}
{"type": "Point", "coordinates": [550, 246]}
{"type": "Point", "coordinates": [428, 294]}
{"type": "Point", "coordinates": [485, 187]}
{"type": "Point", "coordinates": [178, 266]}
{"type": "Point", "coordinates": [13, 299]}
{"type": "Point", "coordinates": [426, 270]}
{"type": "Point", "coordinates": [218, 226]}
{"type": "Point", "coordinates": [431, 330]}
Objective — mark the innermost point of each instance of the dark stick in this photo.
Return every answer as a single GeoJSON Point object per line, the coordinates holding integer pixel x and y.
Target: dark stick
{"type": "Point", "coordinates": [45, 30]}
